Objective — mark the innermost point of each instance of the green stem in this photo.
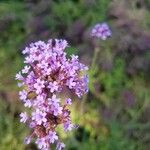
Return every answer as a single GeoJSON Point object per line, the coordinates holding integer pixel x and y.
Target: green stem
{"type": "Point", "coordinates": [95, 56]}
{"type": "Point", "coordinates": [96, 50]}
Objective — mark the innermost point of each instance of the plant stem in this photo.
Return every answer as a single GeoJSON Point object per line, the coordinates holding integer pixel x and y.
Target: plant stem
{"type": "Point", "coordinates": [95, 56]}
{"type": "Point", "coordinates": [96, 50]}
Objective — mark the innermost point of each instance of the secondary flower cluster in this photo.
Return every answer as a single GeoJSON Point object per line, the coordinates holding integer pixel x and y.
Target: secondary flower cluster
{"type": "Point", "coordinates": [46, 75]}
{"type": "Point", "coordinates": [101, 30]}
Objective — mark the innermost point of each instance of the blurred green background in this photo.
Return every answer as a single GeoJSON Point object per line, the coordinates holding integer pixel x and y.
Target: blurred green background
{"type": "Point", "coordinates": [115, 114]}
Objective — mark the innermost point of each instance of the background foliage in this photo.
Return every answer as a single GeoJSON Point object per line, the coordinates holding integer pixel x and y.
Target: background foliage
{"type": "Point", "coordinates": [115, 113]}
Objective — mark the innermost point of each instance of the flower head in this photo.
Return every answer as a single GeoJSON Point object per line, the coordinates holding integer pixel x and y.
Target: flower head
{"type": "Point", "coordinates": [101, 30]}
{"type": "Point", "coordinates": [45, 76]}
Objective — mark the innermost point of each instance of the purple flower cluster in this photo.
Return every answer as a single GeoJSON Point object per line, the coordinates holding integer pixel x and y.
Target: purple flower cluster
{"type": "Point", "coordinates": [101, 30]}
{"type": "Point", "coordinates": [47, 73]}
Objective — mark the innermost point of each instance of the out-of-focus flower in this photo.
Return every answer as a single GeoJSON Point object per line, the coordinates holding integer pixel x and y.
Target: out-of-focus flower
{"type": "Point", "coordinates": [68, 126]}
{"type": "Point", "coordinates": [60, 146]}
{"type": "Point", "coordinates": [42, 143]}
{"type": "Point", "coordinates": [23, 95]}
{"type": "Point", "coordinates": [46, 73]}
{"type": "Point", "coordinates": [23, 117]}
{"type": "Point", "coordinates": [101, 30]}
{"type": "Point", "coordinates": [68, 101]}
{"type": "Point", "coordinates": [27, 140]}
{"type": "Point", "coordinates": [52, 136]}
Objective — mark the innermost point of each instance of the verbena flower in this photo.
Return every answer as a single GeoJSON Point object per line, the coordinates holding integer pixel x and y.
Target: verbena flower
{"type": "Point", "coordinates": [101, 30]}
{"type": "Point", "coordinates": [43, 79]}
{"type": "Point", "coordinates": [23, 117]}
